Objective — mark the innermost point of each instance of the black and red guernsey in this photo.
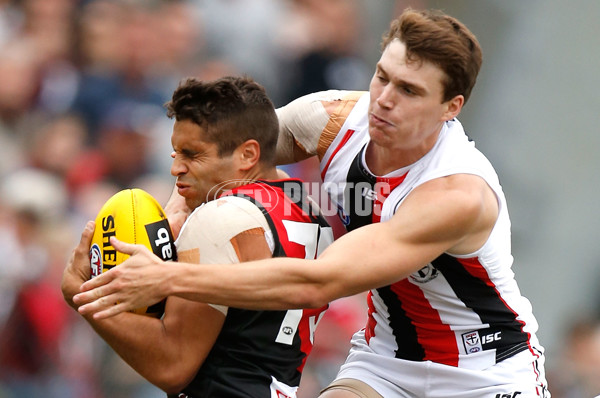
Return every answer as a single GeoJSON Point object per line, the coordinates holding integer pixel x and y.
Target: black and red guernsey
{"type": "Point", "coordinates": [255, 348]}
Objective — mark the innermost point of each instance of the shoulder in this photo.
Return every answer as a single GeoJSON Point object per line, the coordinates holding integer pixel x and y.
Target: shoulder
{"type": "Point", "coordinates": [219, 220]}
{"type": "Point", "coordinates": [459, 186]}
{"type": "Point", "coordinates": [239, 207]}
{"type": "Point", "coordinates": [461, 208]}
{"type": "Point", "coordinates": [467, 193]}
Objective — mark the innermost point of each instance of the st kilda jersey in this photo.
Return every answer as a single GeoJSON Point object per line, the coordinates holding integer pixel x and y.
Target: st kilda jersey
{"type": "Point", "coordinates": [463, 311]}
{"type": "Point", "coordinates": [262, 353]}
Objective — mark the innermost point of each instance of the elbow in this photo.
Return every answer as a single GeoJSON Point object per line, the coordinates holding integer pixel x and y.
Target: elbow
{"type": "Point", "coordinates": [312, 297]}
{"type": "Point", "coordinates": [172, 386]}
{"type": "Point", "coordinates": [172, 389]}
{"type": "Point", "coordinates": [319, 290]}
{"type": "Point", "coordinates": [313, 285]}
{"type": "Point", "coordinates": [173, 379]}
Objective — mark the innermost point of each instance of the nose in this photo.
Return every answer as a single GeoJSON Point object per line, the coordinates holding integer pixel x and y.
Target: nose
{"type": "Point", "coordinates": [177, 167]}
{"type": "Point", "coordinates": [385, 99]}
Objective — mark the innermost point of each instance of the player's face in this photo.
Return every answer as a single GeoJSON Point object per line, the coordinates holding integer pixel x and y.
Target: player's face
{"type": "Point", "coordinates": [406, 110]}
{"type": "Point", "coordinates": [201, 173]}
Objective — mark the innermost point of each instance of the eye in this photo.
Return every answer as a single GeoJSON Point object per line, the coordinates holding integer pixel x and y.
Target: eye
{"type": "Point", "coordinates": [408, 90]}
{"type": "Point", "coordinates": [189, 154]}
{"type": "Point", "coordinates": [183, 154]}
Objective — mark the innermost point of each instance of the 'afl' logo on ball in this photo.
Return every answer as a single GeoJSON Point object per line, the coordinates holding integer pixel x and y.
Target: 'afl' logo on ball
{"type": "Point", "coordinates": [95, 260]}
{"type": "Point", "coordinates": [425, 274]}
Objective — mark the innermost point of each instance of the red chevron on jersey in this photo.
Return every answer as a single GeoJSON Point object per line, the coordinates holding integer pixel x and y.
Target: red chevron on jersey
{"type": "Point", "coordinates": [383, 187]}
{"type": "Point", "coordinates": [436, 338]}
{"type": "Point", "coordinates": [474, 267]}
{"type": "Point", "coordinates": [343, 142]}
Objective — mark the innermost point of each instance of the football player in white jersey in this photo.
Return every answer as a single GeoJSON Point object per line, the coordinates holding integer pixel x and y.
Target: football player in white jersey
{"type": "Point", "coordinates": [445, 315]}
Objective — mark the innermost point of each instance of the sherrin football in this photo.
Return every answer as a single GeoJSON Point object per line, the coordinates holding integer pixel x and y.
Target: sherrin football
{"type": "Point", "coordinates": [132, 216]}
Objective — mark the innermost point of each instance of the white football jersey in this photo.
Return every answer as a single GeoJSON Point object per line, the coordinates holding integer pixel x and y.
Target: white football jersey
{"type": "Point", "coordinates": [464, 311]}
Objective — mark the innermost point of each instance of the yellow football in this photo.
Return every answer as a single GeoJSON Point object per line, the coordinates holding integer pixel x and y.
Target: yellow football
{"type": "Point", "coordinates": [132, 216]}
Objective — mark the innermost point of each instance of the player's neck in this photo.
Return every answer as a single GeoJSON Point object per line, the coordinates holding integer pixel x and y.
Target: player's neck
{"type": "Point", "coordinates": [261, 172]}
{"type": "Point", "coordinates": [383, 160]}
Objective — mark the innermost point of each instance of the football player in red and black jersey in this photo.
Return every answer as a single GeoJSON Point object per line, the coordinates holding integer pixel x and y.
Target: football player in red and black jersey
{"type": "Point", "coordinates": [224, 139]}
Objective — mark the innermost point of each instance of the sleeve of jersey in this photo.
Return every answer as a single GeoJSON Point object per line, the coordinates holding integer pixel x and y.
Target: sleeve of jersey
{"type": "Point", "coordinates": [206, 237]}
{"type": "Point", "coordinates": [306, 124]}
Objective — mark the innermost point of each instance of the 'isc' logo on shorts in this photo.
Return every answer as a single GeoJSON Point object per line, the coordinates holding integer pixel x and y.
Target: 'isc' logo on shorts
{"type": "Point", "coordinates": [474, 342]}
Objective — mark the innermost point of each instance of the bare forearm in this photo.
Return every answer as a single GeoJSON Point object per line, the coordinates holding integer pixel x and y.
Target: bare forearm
{"type": "Point", "coordinates": [272, 284]}
{"type": "Point", "coordinates": [347, 267]}
{"type": "Point", "coordinates": [367, 258]}
{"type": "Point", "coordinates": [128, 335]}
{"type": "Point", "coordinates": [70, 287]}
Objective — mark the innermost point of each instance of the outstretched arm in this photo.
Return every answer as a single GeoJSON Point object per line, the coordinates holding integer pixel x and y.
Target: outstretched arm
{"type": "Point", "coordinates": [452, 214]}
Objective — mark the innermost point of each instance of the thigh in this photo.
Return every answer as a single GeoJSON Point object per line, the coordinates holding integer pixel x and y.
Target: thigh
{"type": "Point", "coordinates": [349, 388]}
{"type": "Point", "coordinates": [384, 376]}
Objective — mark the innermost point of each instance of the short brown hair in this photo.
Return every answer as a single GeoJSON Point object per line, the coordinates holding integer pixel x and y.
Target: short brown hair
{"type": "Point", "coordinates": [435, 37]}
{"type": "Point", "coordinates": [231, 110]}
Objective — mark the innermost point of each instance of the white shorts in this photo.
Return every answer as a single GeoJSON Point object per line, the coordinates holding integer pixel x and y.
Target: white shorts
{"type": "Point", "coordinates": [515, 377]}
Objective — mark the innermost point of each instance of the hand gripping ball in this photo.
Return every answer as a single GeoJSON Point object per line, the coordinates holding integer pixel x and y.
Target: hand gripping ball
{"type": "Point", "coordinates": [132, 216]}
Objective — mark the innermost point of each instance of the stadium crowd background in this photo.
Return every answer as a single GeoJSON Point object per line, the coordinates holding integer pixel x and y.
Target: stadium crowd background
{"type": "Point", "coordinates": [82, 84]}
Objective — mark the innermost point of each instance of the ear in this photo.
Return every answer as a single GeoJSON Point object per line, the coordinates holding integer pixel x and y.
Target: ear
{"type": "Point", "coordinates": [453, 107]}
{"type": "Point", "coordinates": [247, 154]}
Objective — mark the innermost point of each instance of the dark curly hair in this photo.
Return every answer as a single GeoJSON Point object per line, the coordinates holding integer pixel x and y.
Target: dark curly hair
{"type": "Point", "coordinates": [230, 110]}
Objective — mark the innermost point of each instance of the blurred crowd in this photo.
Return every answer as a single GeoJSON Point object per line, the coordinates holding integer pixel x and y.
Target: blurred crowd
{"type": "Point", "coordinates": [576, 368]}
{"type": "Point", "coordinates": [82, 88]}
